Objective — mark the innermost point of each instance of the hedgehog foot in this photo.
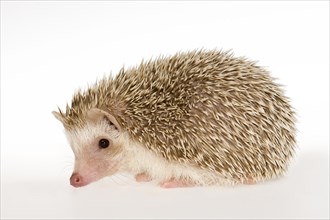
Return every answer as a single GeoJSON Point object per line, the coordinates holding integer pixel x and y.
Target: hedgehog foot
{"type": "Point", "coordinates": [249, 181]}
{"type": "Point", "coordinates": [176, 184]}
{"type": "Point", "coordinates": [142, 177]}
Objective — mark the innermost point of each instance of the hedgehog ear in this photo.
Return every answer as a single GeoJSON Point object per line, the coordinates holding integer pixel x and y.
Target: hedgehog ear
{"type": "Point", "coordinates": [95, 115]}
{"type": "Point", "coordinates": [58, 116]}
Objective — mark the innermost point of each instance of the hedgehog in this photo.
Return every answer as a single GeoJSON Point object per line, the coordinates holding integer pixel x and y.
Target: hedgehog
{"type": "Point", "coordinates": [197, 118]}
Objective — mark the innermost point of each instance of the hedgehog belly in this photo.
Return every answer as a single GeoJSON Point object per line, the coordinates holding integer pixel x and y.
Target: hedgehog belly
{"type": "Point", "coordinates": [141, 160]}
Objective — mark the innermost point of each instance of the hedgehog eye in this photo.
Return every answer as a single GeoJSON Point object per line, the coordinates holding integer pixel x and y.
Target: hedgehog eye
{"type": "Point", "coordinates": [104, 143]}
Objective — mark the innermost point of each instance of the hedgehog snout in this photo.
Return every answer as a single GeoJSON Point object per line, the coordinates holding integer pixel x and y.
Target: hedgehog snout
{"type": "Point", "coordinates": [88, 170]}
{"type": "Point", "coordinates": [77, 180]}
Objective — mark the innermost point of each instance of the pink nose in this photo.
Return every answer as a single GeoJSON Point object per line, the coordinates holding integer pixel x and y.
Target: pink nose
{"type": "Point", "coordinates": [77, 180]}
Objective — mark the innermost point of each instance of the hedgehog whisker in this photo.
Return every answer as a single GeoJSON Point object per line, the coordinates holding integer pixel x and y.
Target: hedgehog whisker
{"type": "Point", "coordinates": [118, 180]}
{"type": "Point", "coordinates": [124, 178]}
{"type": "Point", "coordinates": [113, 178]}
{"type": "Point", "coordinates": [67, 167]}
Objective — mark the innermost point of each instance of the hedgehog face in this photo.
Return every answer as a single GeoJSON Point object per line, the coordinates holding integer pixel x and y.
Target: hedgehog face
{"type": "Point", "coordinates": [97, 147]}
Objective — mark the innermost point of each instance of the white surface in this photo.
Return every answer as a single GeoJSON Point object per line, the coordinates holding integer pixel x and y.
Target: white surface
{"type": "Point", "coordinates": [49, 49]}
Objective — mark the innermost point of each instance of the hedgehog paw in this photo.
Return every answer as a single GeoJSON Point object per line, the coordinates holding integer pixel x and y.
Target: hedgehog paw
{"type": "Point", "coordinates": [249, 181]}
{"type": "Point", "coordinates": [142, 177]}
{"type": "Point", "coordinates": [176, 184]}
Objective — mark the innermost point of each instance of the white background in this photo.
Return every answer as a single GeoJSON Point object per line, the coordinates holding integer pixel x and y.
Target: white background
{"type": "Point", "coordinates": [49, 49]}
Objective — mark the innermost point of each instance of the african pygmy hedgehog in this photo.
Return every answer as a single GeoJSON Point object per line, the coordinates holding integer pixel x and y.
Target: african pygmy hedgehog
{"type": "Point", "coordinates": [195, 118]}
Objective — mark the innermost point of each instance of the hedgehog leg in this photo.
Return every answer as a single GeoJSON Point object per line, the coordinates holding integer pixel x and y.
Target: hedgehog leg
{"type": "Point", "coordinates": [176, 184]}
{"type": "Point", "coordinates": [142, 177]}
{"type": "Point", "coordinates": [249, 181]}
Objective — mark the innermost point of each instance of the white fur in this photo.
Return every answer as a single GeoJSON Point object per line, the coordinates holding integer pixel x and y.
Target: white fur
{"type": "Point", "coordinates": [83, 137]}
{"type": "Point", "coordinates": [135, 158]}
{"type": "Point", "coordinates": [141, 160]}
